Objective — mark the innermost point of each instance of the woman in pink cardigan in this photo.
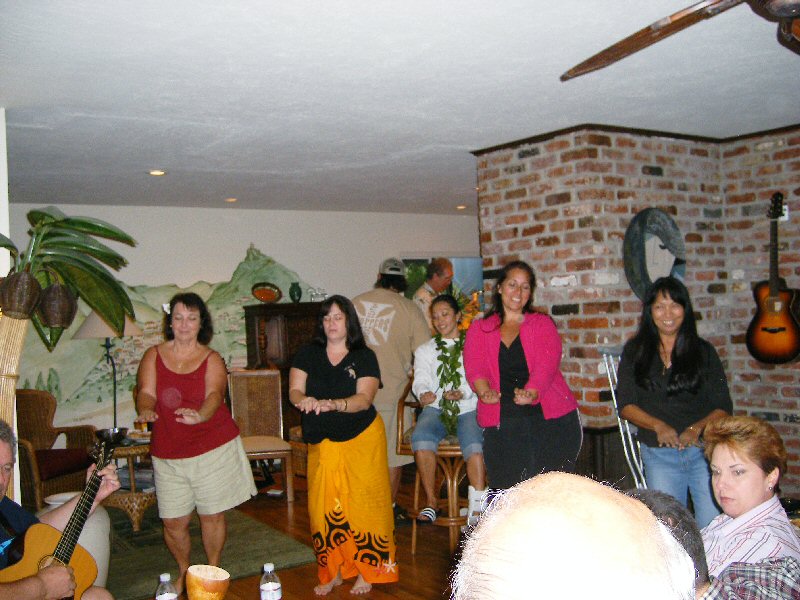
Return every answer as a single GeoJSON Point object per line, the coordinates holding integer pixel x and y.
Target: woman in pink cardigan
{"type": "Point", "coordinates": [511, 358]}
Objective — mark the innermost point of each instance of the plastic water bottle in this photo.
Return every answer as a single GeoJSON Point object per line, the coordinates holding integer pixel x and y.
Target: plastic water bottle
{"type": "Point", "coordinates": [165, 589]}
{"type": "Point", "coordinates": [270, 584]}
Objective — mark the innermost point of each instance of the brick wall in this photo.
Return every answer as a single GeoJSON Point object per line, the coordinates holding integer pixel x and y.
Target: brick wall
{"type": "Point", "coordinates": [562, 202]}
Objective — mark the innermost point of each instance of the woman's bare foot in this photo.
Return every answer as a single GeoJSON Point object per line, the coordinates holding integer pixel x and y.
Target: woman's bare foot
{"type": "Point", "coordinates": [360, 586]}
{"type": "Point", "coordinates": [324, 589]}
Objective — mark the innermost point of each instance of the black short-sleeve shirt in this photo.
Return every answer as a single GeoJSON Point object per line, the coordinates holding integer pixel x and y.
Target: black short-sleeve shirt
{"type": "Point", "coordinates": [681, 410]}
{"type": "Point", "coordinates": [331, 382]}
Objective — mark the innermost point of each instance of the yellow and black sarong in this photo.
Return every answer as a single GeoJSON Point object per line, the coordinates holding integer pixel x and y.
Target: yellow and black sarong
{"type": "Point", "coordinates": [350, 507]}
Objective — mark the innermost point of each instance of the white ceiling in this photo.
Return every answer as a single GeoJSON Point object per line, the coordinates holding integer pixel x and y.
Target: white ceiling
{"type": "Point", "coordinates": [348, 105]}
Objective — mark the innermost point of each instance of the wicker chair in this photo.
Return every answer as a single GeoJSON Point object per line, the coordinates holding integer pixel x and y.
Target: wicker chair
{"type": "Point", "coordinates": [450, 467]}
{"type": "Point", "coordinates": [256, 407]}
{"type": "Point", "coordinates": [45, 470]}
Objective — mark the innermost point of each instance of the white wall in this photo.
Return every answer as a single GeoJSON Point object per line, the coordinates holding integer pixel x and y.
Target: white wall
{"type": "Point", "coordinates": [5, 258]}
{"type": "Point", "coordinates": [338, 251]}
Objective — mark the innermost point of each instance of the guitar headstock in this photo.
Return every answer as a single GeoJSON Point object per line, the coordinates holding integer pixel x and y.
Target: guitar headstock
{"type": "Point", "coordinates": [776, 207]}
{"type": "Point", "coordinates": [102, 455]}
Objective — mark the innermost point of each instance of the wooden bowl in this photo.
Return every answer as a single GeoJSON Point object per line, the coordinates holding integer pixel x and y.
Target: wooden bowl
{"type": "Point", "coordinates": [204, 582]}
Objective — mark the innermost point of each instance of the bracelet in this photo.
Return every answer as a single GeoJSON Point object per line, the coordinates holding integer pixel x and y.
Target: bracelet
{"type": "Point", "coordinates": [345, 405]}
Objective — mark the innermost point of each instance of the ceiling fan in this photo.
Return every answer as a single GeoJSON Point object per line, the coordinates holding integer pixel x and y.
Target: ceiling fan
{"type": "Point", "coordinates": [787, 13]}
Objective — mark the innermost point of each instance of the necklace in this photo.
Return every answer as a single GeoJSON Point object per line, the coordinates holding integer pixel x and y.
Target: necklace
{"type": "Point", "coordinates": [666, 360]}
{"type": "Point", "coordinates": [183, 359]}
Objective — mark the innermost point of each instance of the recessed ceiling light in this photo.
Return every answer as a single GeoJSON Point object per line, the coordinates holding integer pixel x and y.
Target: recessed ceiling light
{"type": "Point", "coordinates": [461, 207]}
{"type": "Point", "coordinates": [156, 172]}
{"type": "Point", "coordinates": [231, 200]}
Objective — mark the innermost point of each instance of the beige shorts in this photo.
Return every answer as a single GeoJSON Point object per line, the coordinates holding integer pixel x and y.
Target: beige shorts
{"type": "Point", "coordinates": [212, 482]}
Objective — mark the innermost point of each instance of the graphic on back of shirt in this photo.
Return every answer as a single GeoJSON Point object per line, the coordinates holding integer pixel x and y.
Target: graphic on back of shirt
{"type": "Point", "coordinates": [376, 321]}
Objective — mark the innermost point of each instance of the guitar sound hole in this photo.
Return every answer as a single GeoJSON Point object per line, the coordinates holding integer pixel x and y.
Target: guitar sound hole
{"type": "Point", "coordinates": [773, 329]}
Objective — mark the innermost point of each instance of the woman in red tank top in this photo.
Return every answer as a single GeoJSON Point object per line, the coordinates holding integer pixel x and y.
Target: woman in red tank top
{"type": "Point", "coordinates": [198, 459]}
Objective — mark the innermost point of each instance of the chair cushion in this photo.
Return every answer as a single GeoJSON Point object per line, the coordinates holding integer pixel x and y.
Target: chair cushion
{"type": "Point", "coordinates": [56, 462]}
{"type": "Point", "coordinates": [254, 444]}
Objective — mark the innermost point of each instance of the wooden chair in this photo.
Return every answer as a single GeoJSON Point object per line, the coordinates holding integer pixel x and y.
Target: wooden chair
{"type": "Point", "coordinates": [45, 470]}
{"type": "Point", "coordinates": [450, 469]}
{"type": "Point", "coordinates": [256, 407]}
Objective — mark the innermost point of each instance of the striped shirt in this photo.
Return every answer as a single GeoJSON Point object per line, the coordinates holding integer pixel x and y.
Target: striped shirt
{"type": "Point", "coordinates": [762, 533]}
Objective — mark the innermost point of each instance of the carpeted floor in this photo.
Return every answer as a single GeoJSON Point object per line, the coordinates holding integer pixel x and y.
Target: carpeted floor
{"type": "Point", "coordinates": [137, 559]}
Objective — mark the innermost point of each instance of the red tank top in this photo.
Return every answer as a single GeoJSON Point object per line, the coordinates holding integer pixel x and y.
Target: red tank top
{"type": "Point", "coordinates": [171, 439]}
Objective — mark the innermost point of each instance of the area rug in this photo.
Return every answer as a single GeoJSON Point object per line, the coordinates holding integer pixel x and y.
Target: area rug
{"type": "Point", "coordinates": [137, 559]}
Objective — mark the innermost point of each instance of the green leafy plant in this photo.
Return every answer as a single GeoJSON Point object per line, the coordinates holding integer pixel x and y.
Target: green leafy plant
{"type": "Point", "coordinates": [449, 358]}
{"type": "Point", "coordinates": [64, 258]}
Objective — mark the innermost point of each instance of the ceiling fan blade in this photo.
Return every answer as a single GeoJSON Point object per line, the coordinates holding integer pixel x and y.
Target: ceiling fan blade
{"type": "Point", "coordinates": [651, 34]}
{"type": "Point", "coordinates": [789, 34]}
{"type": "Point", "coordinates": [794, 29]}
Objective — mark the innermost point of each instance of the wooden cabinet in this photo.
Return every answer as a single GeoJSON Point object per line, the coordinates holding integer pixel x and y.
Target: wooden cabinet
{"type": "Point", "coordinates": [274, 334]}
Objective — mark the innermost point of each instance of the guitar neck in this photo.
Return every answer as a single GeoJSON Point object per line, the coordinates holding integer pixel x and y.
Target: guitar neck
{"type": "Point", "coordinates": [72, 531]}
{"type": "Point", "coordinates": [774, 284]}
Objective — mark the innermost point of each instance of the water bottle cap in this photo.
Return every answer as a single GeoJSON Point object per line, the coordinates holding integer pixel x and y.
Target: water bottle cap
{"type": "Point", "coordinates": [163, 577]}
{"type": "Point", "coordinates": [269, 566]}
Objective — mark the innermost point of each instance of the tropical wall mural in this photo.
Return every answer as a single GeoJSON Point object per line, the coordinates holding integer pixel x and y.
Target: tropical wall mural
{"type": "Point", "coordinates": [79, 377]}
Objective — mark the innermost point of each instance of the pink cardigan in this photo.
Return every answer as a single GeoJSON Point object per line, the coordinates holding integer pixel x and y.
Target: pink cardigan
{"type": "Point", "coordinates": [542, 346]}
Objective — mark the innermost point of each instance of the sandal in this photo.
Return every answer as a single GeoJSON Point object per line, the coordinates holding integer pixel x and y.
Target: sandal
{"type": "Point", "coordinates": [427, 515]}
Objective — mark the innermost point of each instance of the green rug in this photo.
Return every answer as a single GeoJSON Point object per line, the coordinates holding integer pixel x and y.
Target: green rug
{"type": "Point", "coordinates": [137, 559]}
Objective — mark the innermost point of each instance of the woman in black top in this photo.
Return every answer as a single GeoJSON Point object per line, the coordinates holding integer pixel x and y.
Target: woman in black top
{"type": "Point", "coordinates": [671, 385]}
{"type": "Point", "coordinates": [333, 382]}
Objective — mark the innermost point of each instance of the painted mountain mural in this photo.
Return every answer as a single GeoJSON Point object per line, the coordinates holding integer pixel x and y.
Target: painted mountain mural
{"type": "Point", "coordinates": [77, 373]}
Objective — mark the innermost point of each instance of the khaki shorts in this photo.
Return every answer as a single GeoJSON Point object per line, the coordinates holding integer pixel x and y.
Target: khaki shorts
{"type": "Point", "coordinates": [212, 482]}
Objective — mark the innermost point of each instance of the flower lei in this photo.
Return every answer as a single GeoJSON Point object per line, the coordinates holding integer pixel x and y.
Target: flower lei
{"type": "Point", "coordinates": [449, 379]}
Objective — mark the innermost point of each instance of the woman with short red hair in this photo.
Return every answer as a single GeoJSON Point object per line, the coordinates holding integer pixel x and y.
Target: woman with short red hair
{"type": "Point", "coordinates": [747, 459]}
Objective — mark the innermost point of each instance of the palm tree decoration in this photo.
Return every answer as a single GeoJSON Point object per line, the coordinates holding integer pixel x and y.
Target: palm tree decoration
{"type": "Point", "coordinates": [65, 259]}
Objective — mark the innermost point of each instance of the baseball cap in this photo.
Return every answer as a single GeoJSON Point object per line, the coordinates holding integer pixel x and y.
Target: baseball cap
{"type": "Point", "coordinates": [392, 266]}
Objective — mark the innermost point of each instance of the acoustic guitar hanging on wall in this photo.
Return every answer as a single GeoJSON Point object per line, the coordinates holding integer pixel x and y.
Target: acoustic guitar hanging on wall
{"type": "Point", "coordinates": [773, 336]}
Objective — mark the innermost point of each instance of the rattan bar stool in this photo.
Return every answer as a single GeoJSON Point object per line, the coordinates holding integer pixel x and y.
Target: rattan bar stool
{"type": "Point", "coordinates": [450, 470]}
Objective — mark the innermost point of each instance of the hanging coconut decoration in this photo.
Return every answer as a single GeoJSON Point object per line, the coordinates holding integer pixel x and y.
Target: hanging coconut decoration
{"type": "Point", "coordinates": [57, 306]}
{"type": "Point", "coordinates": [19, 295]}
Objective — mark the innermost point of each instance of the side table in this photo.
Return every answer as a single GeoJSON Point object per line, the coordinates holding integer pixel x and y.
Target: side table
{"type": "Point", "coordinates": [132, 501]}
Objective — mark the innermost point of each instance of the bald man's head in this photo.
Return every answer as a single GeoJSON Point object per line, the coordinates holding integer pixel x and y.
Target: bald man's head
{"type": "Point", "coordinates": [566, 536]}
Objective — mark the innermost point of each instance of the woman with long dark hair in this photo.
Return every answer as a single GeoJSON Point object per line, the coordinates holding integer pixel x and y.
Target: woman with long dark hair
{"type": "Point", "coordinates": [333, 382]}
{"type": "Point", "coordinates": [441, 384]}
{"type": "Point", "coordinates": [512, 358]}
{"type": "Point", "coordinates": [671, 385]}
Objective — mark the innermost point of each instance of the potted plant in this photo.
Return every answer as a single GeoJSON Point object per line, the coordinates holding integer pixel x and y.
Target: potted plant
{"type": "Point", "coordinates": [62, 262]}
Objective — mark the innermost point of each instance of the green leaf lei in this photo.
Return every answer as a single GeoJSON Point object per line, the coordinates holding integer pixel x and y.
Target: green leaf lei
{"type": "Point", "coordinates": [449, 379]}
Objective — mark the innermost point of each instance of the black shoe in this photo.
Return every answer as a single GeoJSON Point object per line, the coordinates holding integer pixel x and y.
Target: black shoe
{"type": "Point", "coordinates": [400, 515]}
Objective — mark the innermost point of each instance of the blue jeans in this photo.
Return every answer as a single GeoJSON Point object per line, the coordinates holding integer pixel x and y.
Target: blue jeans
{"type": "Point", "coordinates": [430, 430]}
{"type": "Point", "coordinates": [675, 471]}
